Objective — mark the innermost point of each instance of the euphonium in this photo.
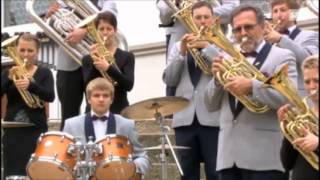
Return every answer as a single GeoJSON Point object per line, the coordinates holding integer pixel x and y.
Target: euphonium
{"type": "Point", "coordinates": [237, 66]}
{"type": "Point", "coordinates": [185, 17]}
{"type": "Point", "coordinates": [61, 22]}
{"type": "Point", "coordinates": [32, 100]}
{"type": "Point", "coordinates": [102, 50]}
{"type": "Point", "coordinates": [299, 116]}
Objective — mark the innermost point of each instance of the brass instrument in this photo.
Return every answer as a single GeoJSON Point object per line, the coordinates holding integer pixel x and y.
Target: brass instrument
{"type": "Point", "coordinates": [185, 17]}
{"type": "Point", "coordinates": [102, 50]}
{"type": "Point", "coordinates": [32, 100]}
{"type": "Point", "coordinates": [299, 116]}
{"type": "Point", "coordinates": [237, 66]}
{"type": "Point", "coordinates": [62, 21]}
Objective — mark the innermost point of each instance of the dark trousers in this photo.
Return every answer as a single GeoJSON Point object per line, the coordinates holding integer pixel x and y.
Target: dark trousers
{"type": "Point", "coordinates": [70, 87]}
{"type": "Point", "coordinates": [203, 141]}
{"type": "Point", "coordinates": [236, 173]}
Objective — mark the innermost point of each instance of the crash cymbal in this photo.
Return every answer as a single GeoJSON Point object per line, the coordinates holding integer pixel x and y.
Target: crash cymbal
{"type": "Point", "coordinates": [159, 147]}
{"type": "Point", "coordinates": [10, 124]}
{"type": "Point", "coordinates": [147, 108]}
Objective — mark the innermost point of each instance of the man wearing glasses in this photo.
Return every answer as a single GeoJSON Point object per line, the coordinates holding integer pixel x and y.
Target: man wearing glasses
{"type": "Point", "coordinates": [249, 143]}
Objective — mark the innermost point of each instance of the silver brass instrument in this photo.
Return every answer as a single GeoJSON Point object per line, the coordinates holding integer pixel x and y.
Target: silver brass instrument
{"type": "Point", "coordinates": [32, 100]}
{"type": "Point", "coordinates": [299, 116]}
{"type": "Point", "coordinates": [185, 17]}
{"type": "Point", "coordinates": [237, 66]}
{"type": "Point", "coordinates": [64, 20]}
{"type": "Point", "coordinates": [103, 52]}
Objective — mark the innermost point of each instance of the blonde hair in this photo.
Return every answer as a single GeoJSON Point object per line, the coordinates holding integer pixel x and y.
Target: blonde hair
{"type": "Point", "coordinates": [99, 84]}
{"type": "Point", "coordinates": [311, 62]}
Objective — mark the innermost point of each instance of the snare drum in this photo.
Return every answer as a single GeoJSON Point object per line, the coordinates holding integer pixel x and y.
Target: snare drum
{"type": "Point", "coordinates": [51, 159]}
{"type": "Point", "coordinates": [115, 161]}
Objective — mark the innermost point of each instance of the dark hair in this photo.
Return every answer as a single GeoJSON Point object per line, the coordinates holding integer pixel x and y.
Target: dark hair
{"type": "Point", "coordinates": [246, 7]}
{"type": "Point", "coordinates": [200, 4]}
{"type": "Point", "coordinates": [29, 37]}
{"type": "Point", "coordinates": [292, 4]}
{"type": "Point", "coordinates": [108, 17]}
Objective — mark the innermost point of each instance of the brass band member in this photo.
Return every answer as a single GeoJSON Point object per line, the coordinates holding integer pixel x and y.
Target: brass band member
{"type": "Point", "coordinates": [249, 143]}
{"type": "Point", "coordinates": [20, 143]}
{"type": "Point", "coordinates": [106, 24]}
{"type": "Point", "coordinates": [291, 158]}
{"type": "Point", "coordinates": [286, 34]}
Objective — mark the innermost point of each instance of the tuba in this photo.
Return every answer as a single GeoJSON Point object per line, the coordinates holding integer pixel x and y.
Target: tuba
{"type": "Point", "coordinates": [61, 22]}
{"type": "Point", "coordinates": [299, 116]}
{"type": "Point", "coordinates": [32, 100]}
{"type": "Point", "coordinates": [236, 66]}
{"type": "Point", "coordinates": [185, 17]}
{"type": "Point", "coordinates": [102, 50]}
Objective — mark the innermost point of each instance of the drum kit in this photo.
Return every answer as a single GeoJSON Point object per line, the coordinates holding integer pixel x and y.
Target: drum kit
{"type": "Point", "coordinates": [59, 155]}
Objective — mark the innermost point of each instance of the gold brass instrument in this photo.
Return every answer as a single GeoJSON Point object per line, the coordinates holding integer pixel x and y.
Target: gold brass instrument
{"type": "Point", "coordinates": [237, 66]}
{"type": "Point", "coordinates": [32, 100]}
{"type": "Point", "coordinates": [185, 17]}
{"type": "Point", "coordinates": [102, 50]}
{"type": "Point", "coordinates": [299, 116]}
{"type": "Point", "coordinates": [61, 22]}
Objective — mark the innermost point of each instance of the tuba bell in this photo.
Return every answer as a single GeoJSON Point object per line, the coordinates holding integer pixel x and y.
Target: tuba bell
{"type": "Point", "coordinates": [237, 65]}
{"type": "Point", "coordinates": [299, 116]}
{"type": "Point", "coordinates": [32, 100]}
{"type": "Point", "coordinates": [185, 17]}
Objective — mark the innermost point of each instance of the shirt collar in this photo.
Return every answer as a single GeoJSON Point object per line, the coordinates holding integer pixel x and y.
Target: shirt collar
{"type": "Point", "coordinates": [105, 114]}
{"type": "Point", "coordinates": [290, 29]}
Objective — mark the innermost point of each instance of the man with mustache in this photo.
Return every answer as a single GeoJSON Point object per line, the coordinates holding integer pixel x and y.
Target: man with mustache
{"type": "Point", "coordinates": [249, 143]}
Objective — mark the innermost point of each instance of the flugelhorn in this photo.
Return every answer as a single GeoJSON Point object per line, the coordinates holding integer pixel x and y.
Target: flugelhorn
{"type": "Point", "coordinates": [103, 52]}
{"type": "Point", "coordinates": [299, 116]}
{"type": "Point", "coordinates": [32, 100]}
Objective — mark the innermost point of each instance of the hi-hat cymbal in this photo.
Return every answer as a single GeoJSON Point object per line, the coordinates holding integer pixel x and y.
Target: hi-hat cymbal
{"type": "Point", "coordinates": [159, 147]}
{"type": "Point", "coordinates": [164, 105]}
{"type": "Point", "coordinates": [10, 124]}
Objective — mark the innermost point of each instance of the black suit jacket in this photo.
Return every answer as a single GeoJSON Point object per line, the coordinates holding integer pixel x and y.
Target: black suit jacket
{"type": "Point", "coordinates": [293, 160]}
{"type": "Point", "coordinates": [125, 78]}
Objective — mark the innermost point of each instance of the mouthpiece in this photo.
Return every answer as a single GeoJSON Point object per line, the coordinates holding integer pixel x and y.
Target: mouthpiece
{"type": "Point", "coordinates": [244, 39]}
{"type": "Point", "coordinates": [314, 92]}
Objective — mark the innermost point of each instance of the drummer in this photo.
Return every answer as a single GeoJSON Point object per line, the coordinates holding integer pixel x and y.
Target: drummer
{"type": "Point", "coordinates": [100, 121]}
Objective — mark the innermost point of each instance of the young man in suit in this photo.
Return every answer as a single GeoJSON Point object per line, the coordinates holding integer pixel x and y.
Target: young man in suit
{"type": "Point", "coordinates": [100, 121]}
{"type": "Point", "coordinates": [288, 35]}
{"type": "Point", "coordinates": [194, 126]}
{"type": "Point", "coordinates": [249, 143]}
{"type": "Point", "coordinates": [175, 29]}
{"type": "Point", "coordinates": [290, 157]}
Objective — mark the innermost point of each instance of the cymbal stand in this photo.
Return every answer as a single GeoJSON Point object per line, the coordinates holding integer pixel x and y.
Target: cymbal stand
{"type": "Point", "coordinates": [165, 140]}
{"type": "Point", "coordinates": [80, 167]}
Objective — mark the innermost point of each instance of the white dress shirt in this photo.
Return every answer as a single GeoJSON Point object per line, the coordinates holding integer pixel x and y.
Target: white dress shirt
{"type": "Point", "coordinates": [99, 126]}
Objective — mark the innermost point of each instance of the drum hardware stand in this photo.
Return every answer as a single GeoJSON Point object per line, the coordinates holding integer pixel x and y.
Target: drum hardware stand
{"type": "Point", "coordinates": [165, 140]}
{"type": "Point", "coordinates": [85, 169]}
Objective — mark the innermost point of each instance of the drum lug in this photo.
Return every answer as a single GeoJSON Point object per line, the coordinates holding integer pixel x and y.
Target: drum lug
{"type": "Point", "coordinates": [55, 155]}
{"type": "Point", "coordinates": [110, 155]}
{"type": "Point", "coordinates": [130, 157]}
{"type": "Point", "coordinates": [70, 149]}
{"type": "Point", "coordinates": [62, 138]}
{"type": "Point", "coordinates": [99, 149]}
{"type": "Point", "coordinates": [40, 137]}
{"type": "Point", "coordinates": [109, 140]}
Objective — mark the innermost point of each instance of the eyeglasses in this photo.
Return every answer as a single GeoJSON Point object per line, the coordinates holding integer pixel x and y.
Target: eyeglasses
{"type": "Point", "coordinates": [246, 27]}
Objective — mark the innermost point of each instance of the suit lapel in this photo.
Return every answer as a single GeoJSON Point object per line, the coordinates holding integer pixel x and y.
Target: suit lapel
{"type": "Point", "coordinates": [111, 129]}
{"type": "Point", "coordinates": [260, 59]}
{"type": "Point", "coordinates": [294, 33]}
{"type": "Point", "coordinates": [194, 70]}
{"type": "Point", "coordinates": [88, 127]}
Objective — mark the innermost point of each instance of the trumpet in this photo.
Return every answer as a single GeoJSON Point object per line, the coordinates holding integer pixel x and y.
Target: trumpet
{"type": "Point", "coordinates": [32, 100]}
{"type": "Point", "coordinates": [300, 116]}
{"type": "Point", "coordinates": [103, 52]}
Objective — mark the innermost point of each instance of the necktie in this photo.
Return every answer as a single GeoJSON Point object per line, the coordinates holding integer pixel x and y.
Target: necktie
{"type": "Point", "coordinates": [102, 118]}
{"type": "Point", "coordinates": [251, 54]}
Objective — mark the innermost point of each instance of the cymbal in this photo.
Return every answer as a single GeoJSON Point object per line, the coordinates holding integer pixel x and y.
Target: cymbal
{"type": "Point", "coordinates": [159, 147]}
{"type": "Point", "coordinates": [11, 124]}
{"type": "Point", "coordinates": [164, 105]}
